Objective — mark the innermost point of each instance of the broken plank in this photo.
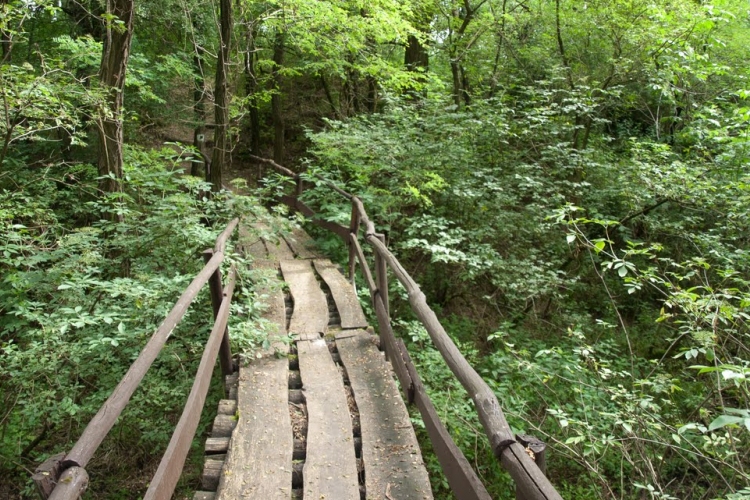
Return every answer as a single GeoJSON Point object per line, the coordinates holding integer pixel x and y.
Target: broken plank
{"type": "Point", "coordinates": [310, 315]}
{"type": "Point", "coordinates": [330, 469]}
{"type": "Point", "coordinates": [259, 461]}
{"type": "Point", "coordinates": [392, 459]}
{"type": "Point", "coordinates": [343, 294]}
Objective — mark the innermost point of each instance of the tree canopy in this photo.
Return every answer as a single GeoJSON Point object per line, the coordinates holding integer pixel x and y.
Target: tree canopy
{"type": "Point", "coordinates": [567, 181]}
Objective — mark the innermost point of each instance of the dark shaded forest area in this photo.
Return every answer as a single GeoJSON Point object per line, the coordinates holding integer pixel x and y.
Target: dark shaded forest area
{"type": "Point", "coordinates": [568, 181]}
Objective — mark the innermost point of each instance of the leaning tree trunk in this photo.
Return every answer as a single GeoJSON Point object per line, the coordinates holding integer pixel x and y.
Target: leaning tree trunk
{"type": "Point", "coordinates": [112, 76]}
{"type": "Point", "coordinates": [221, 99]}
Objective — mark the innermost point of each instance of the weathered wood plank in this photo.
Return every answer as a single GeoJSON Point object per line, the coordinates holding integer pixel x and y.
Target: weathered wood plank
{"type": "Point", "coordinates": [216, 445]}
{"type": "Point", "coordinates": [392, 459]}
{"type": "Point", "coordinates": [250, 241]}
{"type": "Point", "coordinates": [330, 470]}
{"type": "Point", "coordinates": [259, 461]}
{"type": "Point", "coordinates": [227, 407]}
{"type": "Point", "coordinates": [302, 245]}
{"type": "Point", "coordinates": [310, 316]}
{"type": "Point", "coordinates": [271, 296]}
{"type": "Point", "coordinates": [343, 294]}
{"type": "Point", "coordinates": [278, 249]}
{"type": "Point", "coordinates": [223, 426]}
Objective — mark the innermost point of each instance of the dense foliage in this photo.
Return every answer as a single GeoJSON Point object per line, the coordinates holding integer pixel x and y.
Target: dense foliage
{"type": "Point", "coordinates": [567, 181]}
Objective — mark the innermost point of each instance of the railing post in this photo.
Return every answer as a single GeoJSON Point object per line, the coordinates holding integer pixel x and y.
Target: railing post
{"type": "Point", "coordinates": [298, 189]}
{"type": "Point", "coordinates": [381, 276]}
{"type": "Point", "coordinates": [353, 230]}
{"type": "Point", "coordinates": [536, 449]}
{"type": "Point", "coordinates": [217, 295]}
{"type": "Point", "coordinates": [46, 475]}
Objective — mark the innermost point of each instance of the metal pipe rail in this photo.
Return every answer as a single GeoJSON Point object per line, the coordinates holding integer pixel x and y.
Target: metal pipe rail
{"type": "Point", "coordinates": [63, 476]}
{"type": "Point", "coordinates": [513, 452]}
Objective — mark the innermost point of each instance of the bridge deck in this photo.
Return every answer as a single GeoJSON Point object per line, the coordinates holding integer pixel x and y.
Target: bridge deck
{"type": "Point", "coordinates": [319, 417]}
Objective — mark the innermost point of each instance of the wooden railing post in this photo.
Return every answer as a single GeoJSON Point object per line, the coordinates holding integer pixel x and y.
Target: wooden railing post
{"type": "Point", "coordinates": [217, 295]}
{"type": "Point", "coordinates": [381, 275]}
{"type": "Point", "coordinates": [353, 230]}
{"type": "Point", "coordinates": [299, 188]}
{"type": "Point", "coordinates": [46, 475]}
{"type": "Point", "coordinates": [535, 448]}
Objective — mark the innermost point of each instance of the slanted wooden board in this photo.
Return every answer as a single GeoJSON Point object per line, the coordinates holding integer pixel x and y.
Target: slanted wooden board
{"type": "Point", "coordinates": [392, 459]}
{"type": "Point", "coordinates": [301, 243]}
{"type": "Point", "coordinates": [330, 470]}
{"type": "Point", "coordinates": [343, 294]}
{"type": "Point", "coordinates": [259, 461]}
{"type": "Point", "coordinates": [310, 315]}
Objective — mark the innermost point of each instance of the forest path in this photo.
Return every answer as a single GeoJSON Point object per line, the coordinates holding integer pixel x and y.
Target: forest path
{"type": "Point", "coordinates": [318, 414]}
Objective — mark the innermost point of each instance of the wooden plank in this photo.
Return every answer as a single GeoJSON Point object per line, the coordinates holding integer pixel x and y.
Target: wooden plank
{"type": "Point", "coordinates": [302, 245]}
{"type": "Point", "coordinates": [278, 249]}
{"type": "Point", "coordinates": [251, 243]}
{"type": "Point", "coordinates": [310, 317]}
{"type": "Point", "coordinates": [271, 296]}
{"type": "Point", "coordinates": [343, 294]}
{"type": "Point", "coordinates": [392, 459]}
{"type": "Point", "coordinates": [259, 461]}
{"type": "Point", "coordinates": [330, 470]}
{"type": "Point", "coordinates": [216, 445]}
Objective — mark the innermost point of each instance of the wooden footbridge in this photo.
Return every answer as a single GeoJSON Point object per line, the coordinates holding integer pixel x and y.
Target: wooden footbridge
{"type": "Point", "coordinates": [322, 413]}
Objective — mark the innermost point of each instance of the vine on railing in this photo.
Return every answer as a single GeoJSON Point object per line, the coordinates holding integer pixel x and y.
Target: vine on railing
{"type": "Point", "coordinates": [64, 476]}
{"type": "Point", "coordinates": [513, 452]}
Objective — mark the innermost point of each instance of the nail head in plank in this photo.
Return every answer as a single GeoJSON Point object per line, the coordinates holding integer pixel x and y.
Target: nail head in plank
{"type": "Point", "coordinates": [343, 294]}
{"type": "Point", "coordinates": [391, 454]}
{"type": "Point", "coordinates": [310, 316]}
{"type": "Point", "coordinates": [260, 452]}
{"type": "Point", "coordinates": [330, 466]}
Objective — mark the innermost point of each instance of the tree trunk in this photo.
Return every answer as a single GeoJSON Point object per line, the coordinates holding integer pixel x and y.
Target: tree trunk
{"type": "Point", "coordinates": [5, 39]}
{"type": "Point", "coordinates": [221, 98]}
{"type": "Point", "coordinates": [199, 107]}
{"type": "Point", "coordinates": [415, 55]}
{"type": "Point", "coordinates": [112, 76]}
{"type": "Point", "coordinates": [276, 103]}
{"type": "Point", "coordinates": [251, 88]}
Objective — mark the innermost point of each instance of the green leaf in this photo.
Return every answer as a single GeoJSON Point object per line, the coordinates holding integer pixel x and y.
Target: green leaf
{"type": "Point", "coordinates": [724, 420]}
